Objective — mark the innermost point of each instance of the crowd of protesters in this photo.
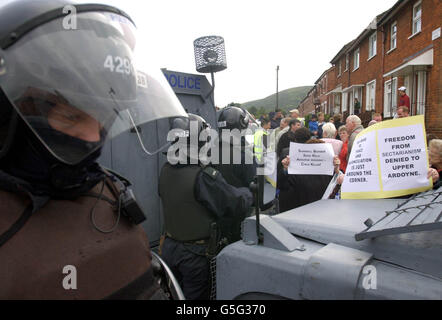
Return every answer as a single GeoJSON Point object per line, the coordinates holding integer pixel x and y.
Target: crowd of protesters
{"type": "Point", "coordinates": [297, 190]}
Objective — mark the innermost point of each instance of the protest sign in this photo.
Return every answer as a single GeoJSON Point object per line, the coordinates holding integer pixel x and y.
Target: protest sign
{"type": "Point", "coordinates": [314, 158]}
{"type": "Point", "coordinates": [270, 165]}
{"type": "Point", "coordinates": [388, 159]}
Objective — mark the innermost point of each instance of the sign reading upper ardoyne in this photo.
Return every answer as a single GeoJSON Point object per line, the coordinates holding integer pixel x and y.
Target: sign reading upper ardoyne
{"type": "Point", "coordinates": [388, 159]}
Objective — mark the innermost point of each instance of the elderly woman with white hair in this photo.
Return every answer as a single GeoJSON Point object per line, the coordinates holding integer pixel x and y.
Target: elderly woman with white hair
{"type": "Point", "coordinates": [329, 136]}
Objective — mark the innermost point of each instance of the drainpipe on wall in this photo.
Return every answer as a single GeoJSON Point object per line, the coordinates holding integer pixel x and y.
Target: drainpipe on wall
{"type": "Point", "coordinates": [349, 79]}
{"type": "Point", "coordinates": [384, 39]}
{"type": "Point", "coordinates": [412, 91]}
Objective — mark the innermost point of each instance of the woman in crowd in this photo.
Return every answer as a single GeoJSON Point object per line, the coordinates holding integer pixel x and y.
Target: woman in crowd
{"type": "Point", "coordinates": [329, 136]}
{"type": "Point", "coordinates": [343, 134]}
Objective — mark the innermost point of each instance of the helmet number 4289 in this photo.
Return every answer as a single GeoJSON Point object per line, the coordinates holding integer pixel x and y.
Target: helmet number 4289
{"type": "Point", "coordinates": [118, 64]}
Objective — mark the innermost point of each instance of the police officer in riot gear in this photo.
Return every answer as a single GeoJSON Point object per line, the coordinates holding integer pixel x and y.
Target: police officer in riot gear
{"type": "Point", "coordinates": [202, 212]}
{"type": "Point", "coordinates": [236, 161]}
{"type": "Point", "coordinates": [66, 223]}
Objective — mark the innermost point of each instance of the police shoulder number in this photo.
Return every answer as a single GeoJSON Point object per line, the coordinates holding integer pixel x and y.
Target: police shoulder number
{"type": "Point", "coordinates": [118, 64]}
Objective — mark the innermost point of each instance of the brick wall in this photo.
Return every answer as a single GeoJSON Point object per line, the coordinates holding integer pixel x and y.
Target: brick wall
{"type": "Point", "coordinates": [387, 60]}
{"type": "Point", "coordinates": [368, 70]}
{"type": "Point", "coordinates": [407, 48]}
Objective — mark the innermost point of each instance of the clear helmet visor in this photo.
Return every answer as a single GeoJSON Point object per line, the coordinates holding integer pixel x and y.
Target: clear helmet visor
{"type": "Point", "coordinates": [81, 83]}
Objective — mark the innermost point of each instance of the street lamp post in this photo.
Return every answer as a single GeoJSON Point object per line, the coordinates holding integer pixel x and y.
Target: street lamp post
{"type": "Point", "coordinates": [277, 87]}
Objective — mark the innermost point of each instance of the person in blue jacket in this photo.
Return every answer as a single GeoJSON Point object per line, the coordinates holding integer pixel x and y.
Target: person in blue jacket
{"type": "Point", "coordinates": [313, 125]}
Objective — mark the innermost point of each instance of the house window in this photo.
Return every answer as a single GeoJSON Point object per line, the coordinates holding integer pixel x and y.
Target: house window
{"type": "Point", "coordinates": [372, 46]}
{"type": "Point", "coordinates": [417, 17]}
{"type": "Point", "coordinates": [339, 68]}
{"type": "Point", "coordinates": [393, 40]}
{"type": "Point", "coordinates": [347, 61]}
{"type": "Point", "coordinates": [371, 96]}
{"type": "Point", "coordinates": [390, 98]}
{"type": "Point", "coordinates": [356, 60]}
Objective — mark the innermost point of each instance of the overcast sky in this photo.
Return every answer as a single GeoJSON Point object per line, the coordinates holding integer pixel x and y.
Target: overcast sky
{"type": "Point", "coordinates": [299, 36]}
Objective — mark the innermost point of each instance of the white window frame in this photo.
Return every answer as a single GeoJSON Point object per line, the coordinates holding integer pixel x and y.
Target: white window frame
{"type": "Point", "coordinates": [368, 105]}
{"type": "Point", "coordinates": [344, 101]}
{"type": "Point", "coordinates": [347, 61]}
{"type": "Point", "coordinates": [390, 97]}
{"type": "Point", "coordinates": [417, 19]}
{"type": "Point", "coordinates": [393, 36]}
{"type": "Point", "coordinates": [339, 68]}
{"type": "Point", "coordinates": [356, 61]}
{"type": "Point", "coordinates": [372, 44]}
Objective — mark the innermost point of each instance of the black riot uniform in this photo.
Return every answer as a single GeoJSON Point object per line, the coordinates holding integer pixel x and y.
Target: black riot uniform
{"type": "Point", "coordinates": [69, 228]}
{"type": "Point", "coordinates": [238, 171]}
{"type": "Point", "coordinates": [201, 213]}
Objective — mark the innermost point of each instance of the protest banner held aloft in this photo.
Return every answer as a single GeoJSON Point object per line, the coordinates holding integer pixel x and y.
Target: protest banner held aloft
{"type": "Point", "coordinates": [389, 159]}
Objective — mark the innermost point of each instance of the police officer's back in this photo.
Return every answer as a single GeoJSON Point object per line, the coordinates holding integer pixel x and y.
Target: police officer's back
{"type": "Point", "coordinates": [200, 210]}
{"type": "Point", "coordinates": [236, 161]}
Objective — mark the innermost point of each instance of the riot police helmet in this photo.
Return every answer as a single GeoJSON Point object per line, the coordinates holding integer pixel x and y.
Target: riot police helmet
{"type": "Point", "coordinates": [188, 135]}
{"type": "Point", "coordinates": [233, 118]}
{"type": "Point", "coordinates": [67, 71]}
{"type": "Point", "coordinates": [193, 124]}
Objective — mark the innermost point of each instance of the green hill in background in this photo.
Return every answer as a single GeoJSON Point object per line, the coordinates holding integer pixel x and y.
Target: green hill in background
{"type": "Point", "coordinates": [288, 99]}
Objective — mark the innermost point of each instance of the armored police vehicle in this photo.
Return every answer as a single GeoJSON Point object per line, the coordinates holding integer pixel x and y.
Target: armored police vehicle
{"type": "Point", "coordinates": [339, 249]}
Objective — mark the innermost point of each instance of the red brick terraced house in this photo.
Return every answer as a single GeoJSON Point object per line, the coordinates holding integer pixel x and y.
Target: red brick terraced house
{"type": "Point", "coordinates": [317, 98]}
{"type": "Point", "coordinates": [400, 47]}
{"type": "Point", "coordinates": [341, 63]}
{"type": "Point", "coordinates": [412, 58]}
{"type": "Point", "coordinates": [307, 105]}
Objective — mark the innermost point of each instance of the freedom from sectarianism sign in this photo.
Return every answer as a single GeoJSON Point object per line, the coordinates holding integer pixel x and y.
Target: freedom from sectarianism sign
{"type": "Point", "coordinates": [388, 159]}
